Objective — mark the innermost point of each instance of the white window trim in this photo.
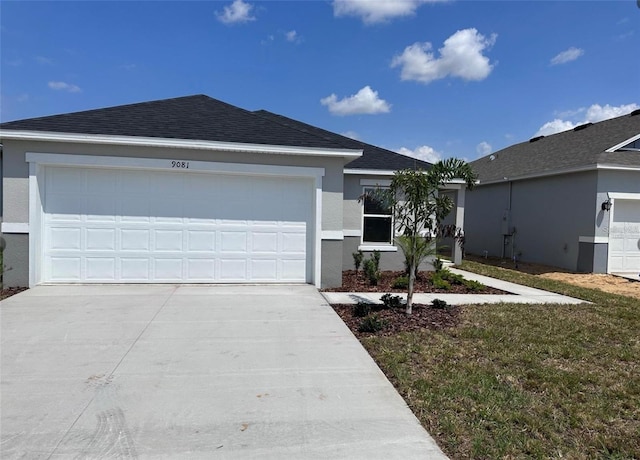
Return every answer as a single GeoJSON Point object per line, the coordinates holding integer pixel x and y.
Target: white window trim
{"type": "Point", "coordinates": [38, 162]}
{"type": "Point", "coordinates": [15, 227]}
{"type": "Point", "coordinates": [375, 245]}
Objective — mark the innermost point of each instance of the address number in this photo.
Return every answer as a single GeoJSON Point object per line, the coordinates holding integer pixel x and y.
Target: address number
{"type": "Point", "coordinates": [180, 164]}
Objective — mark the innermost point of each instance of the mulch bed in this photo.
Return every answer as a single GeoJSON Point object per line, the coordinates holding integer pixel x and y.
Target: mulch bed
{"type": "Point", "coordinates": [353, 281]}
{"type": "Point", "coordinates": [396, 320]}
{"type": "Point", "coordinates": [8, 292]}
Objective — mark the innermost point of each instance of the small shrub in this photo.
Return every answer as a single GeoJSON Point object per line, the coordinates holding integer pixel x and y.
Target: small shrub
{"type": "Point", "coordinates": [371, 323]}
{"type": "Point", "coordinates": [401, 282]}
{"type": "Point", "coordinates": [452, 278]}
{"type": "Point", "coordinates": [439, 304]}
{"type": "Point", "coordinates": [376, 258]}
{"type": "Point", "coordinates": [357, 259]}
{"type": "Point", "coordinates": [371, 272]}
{"type": "Point", "coordinates": [361, 309]}
{"type": "Point", "coordinates": [391, 301]}
{"type": "Point", "coordinates": [440, 283]}
{"type": "Point", "coordinates": [474, 285]}
{"type": "Point", "coordinates": [438, 264]}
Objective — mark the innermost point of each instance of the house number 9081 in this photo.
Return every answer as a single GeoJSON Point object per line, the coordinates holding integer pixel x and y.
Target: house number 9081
{"type": "Point", "coordinates": [180, 164]}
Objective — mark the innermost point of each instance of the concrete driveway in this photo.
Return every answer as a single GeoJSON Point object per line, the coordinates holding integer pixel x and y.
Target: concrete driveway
{"type": "Point", "coordinates": [193, 372]}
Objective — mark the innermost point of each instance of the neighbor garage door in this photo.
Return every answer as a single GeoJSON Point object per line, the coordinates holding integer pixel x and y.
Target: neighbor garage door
{"type": "Point", "coordinates": [624, 237]}
{"type": "Point", "coordinates": [141, 226]}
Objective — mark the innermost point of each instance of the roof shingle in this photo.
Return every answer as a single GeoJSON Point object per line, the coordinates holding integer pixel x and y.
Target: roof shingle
{"type": "Point", "coordinates": [200, 117]}
{"type": "Point", "coordinates": [563, 151]}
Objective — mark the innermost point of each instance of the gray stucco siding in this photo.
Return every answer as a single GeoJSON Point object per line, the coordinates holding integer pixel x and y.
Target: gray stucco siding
{"type": "Point", "coordinates": [548, 214]}
{"type": "Point", "coordinates": [15, 259]}
{"type": "Point", "coordinates": [484, 209]}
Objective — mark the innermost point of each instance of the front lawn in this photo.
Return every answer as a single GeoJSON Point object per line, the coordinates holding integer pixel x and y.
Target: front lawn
{"type": "Point", "coordinates": [525, 381]}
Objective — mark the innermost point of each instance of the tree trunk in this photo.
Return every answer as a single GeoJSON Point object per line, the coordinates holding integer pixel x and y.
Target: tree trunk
{"type": "Point", "coordinates": [412, 278]}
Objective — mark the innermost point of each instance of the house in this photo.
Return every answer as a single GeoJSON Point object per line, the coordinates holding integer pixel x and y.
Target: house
{"type": "Point", "coordinates": [569, 200]}
{"type": "Point", "coordinates": [189, 189]}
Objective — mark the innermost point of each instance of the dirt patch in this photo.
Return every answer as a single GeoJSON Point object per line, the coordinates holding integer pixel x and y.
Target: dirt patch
{"type": "Point", "coordinates": [396, 320]}
{"type": "Point", "coordinates": [607, 283]}
{"type": "Point", "coordinates": [8, 292]}
{"type": "Point", "coordinates": [353, 281]}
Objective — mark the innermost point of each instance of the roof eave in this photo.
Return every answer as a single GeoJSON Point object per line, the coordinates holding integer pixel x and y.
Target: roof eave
{"type": "Point", "coordinates": [49, 136]}
{"type": "Point", "coordinates": [558, 172]}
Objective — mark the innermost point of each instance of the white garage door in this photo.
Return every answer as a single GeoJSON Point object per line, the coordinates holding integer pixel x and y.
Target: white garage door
{"type": "Point", "coordinates": [109, 225]}
{"type": "Point", "coordinates": [624, 237]}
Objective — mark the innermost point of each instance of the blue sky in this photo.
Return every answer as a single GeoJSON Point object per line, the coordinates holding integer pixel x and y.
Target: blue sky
{"type": "Point", "coordinates": [433, 79]}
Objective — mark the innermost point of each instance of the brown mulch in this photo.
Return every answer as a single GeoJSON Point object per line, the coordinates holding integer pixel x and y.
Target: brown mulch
{"type": "Point", "coordinates": [8, 292]}
{"type": "Point", "coordinates": [353, 281]}
{"type": "Point", "coordinates": [396, 320]}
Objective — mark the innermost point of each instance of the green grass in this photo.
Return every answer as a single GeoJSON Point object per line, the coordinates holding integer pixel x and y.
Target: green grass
{"type": "Point", "coordinates": [526, 381]}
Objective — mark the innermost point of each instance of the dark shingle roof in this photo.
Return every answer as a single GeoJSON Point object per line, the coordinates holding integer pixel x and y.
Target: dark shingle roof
{"type": "Point", "coordinates": [196, 117]}
{"type": "Point", "coordinates": [200, 117]}
{"type": "Point", "coordinates": [372, 158]}
{"type": "Point", "coordinates": [583, 147]}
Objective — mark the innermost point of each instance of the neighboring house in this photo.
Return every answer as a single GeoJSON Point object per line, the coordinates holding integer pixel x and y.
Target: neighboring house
{"type": "Point", "coordinates": [191, 190]}
{"type": "Point", "coordinates": [569, 200]}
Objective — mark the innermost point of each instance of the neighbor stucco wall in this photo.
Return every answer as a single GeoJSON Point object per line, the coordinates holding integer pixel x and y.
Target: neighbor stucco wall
{"type": "Point", "coordinates": [484, 209]}
{"type": "Point", "coordinates": [548, 214]}
{"type": "Point", "coordinates": [16, 179]}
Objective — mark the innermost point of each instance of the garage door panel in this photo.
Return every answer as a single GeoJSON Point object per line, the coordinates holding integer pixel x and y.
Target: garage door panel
{"type": "Point", "coordinates": [264, 242]}
{"type": "Point", "coordinates": [101, 268]}
{"type": "Point", "coordinates": [233, 269]}
{"type": "Point", "coordinates": [147, 226]}
{"type": "Point", "coordinates": [65, 207]}
{"type": "Point", "coordinates": [100, 239]}
{"type": "Point", "coordinates": [62, 238]}
{"type": "Point", "coordinates": [624, 237]}
{"type": "Point", "coordinates": [169, 269]}
{"type": "Point", "coordinates": [135, 240]}
{"type": "Point", "coordinates": [201, 269]}
{"type": "Point", "coordinates": [134, 268]}
{"type": "Point", "coordinates": [291, 269]}
{"type": "Point", "coordinates": [65, 269]}
{"type": "Point", "coordinates": [168, 240]}
{"type": "Point", "coordinates": [201, 240]}
{"type": "Point", "coordinates": [233, 242]}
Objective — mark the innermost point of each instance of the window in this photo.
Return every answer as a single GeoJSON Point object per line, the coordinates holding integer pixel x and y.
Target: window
{"type": "Point", "coordinates": [377, 226]}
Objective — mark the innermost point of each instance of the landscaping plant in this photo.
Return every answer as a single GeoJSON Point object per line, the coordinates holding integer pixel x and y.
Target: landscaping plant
{"type": "Point", "coordinates": [418, 211]}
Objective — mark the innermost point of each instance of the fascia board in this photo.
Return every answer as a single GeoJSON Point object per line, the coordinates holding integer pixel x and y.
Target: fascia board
{"type": "Point", "coordinates": [593, 167]}
{"type": "Point", "coordinates": [177, 143]}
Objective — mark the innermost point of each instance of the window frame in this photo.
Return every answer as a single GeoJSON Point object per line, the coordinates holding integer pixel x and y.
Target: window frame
{"type": "Point", "coordinates": [376, 245]}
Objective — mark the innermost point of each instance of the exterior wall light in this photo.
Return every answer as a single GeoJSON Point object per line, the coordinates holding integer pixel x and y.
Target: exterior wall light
{"type": "Point", "coordinates": [606, 205]}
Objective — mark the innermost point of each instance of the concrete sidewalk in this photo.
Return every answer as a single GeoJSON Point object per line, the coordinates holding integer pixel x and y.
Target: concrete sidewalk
{"type": "Point", "coordinates": [197, 372]}
{"type": "Point", "coordinates": [517, 294]}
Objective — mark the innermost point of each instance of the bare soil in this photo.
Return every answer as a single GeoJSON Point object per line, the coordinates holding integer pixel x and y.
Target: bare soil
{"type": "Point", "coordinates": [353, 281]}
{"type": "Point", "coordinates": [396, 320]}
{"type": "Point", "coordinates": [607, 283]}
{"type": "Point", "coordinates": [8, 292]}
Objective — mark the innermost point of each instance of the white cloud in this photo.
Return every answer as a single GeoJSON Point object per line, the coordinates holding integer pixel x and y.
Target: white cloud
{"type": "Point", "coordinates": [374, 11]}
{"type": "Point", "coordinates": [63, 86]}
{"type": "Point", "coordinates": [592, 114]}
{"type": "Point", "coordinates": [484, 148]}
{"type": "Point", "coordinates": [237, 12]}
{"type": "Point", "coordinates": [292, 36]}
{"type": "Point", "coordinates": [365, 101]}
{"type": "Point", "coordinates": [461, 56]}
{"type": "Point", "coordinates": [352, 135]}
{"type": "Point", "coordinates": [424, 153]}
{"type": "Point", "coordinates": [567, 55]}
